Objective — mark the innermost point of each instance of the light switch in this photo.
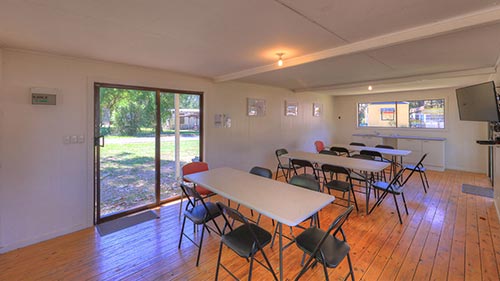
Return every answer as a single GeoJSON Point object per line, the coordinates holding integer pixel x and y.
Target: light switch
{"type": "Point", "coordinates": [74, 139]}
{"type": "Point", "coordinates": [81, 139]}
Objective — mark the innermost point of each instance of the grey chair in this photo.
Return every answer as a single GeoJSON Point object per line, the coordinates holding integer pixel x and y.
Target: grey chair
{"type": "Point", "coordinates": [384, 146]}
{"type": "Point", "coordinates": [420, 169]}
{"type": "Point", "coordinates": [246, 241]}
{"type": "Point", "coordinates": [357, 144]}
{"type": "Point", "coordinates": [200, 213]}
{"type": "Point", "coordinates": [332, 181]}
{"type": "Point", "coordinates": [325, 247]}
{"type": "Point", "coordinates": [377, 156]}
{"type": "Point", "coordinates": [283, 167]}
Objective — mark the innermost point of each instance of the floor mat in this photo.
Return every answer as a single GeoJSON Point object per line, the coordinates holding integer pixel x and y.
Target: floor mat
{"type": "Point", "coordinates": [122, 223]}
{"type": "Point", "coordinates": [477, 190]}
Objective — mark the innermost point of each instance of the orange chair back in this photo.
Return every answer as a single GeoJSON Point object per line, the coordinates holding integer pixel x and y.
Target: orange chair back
{"type": "Point", "coordinates": [196, 167]}
{"type": "Point", "coordinates": [319, 145]}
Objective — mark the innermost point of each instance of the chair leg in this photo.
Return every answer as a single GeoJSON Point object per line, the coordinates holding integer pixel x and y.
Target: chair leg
{"type": "Point", "coordinates": [277, 171]}
{"type": "Point", "coordinates": [351, 271]}
{"type": "Point", "coordinates": [251, 266]}
{"type": "Point", "coordinates": [426, 181]}
{"type": "Point", "coordinates": [397, 208]}
{"type": "Point", "coordinates": [325, 270]}
{"type": "Point", "coordinates": [182, 232]}
{"type": "Point", "coordinates": [422, 180]}
{"type": "Point", "coordinates": [355, 201]}
{"type": "Point", "coordinates": [404, 201]}
{"type": "Point", "coordinates": [199, 249]}
{"type": "Point", "coordinates": [274, 236]}
{"type": "Point", "coordinates": [269, 264]}
{"type": "Point", "coordinates": [218, 262]}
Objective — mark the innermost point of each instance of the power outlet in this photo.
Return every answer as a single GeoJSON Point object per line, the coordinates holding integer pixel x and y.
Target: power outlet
{"type": "Point", "coordinates": [81, 139]}
{"type": "Point", "coordinates": [74, 139]}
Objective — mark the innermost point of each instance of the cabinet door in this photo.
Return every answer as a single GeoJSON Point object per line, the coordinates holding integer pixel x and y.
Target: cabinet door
{"type": "Point", "coordinates": [416, 150]}
{"type": "Point", "coordinates": [435, 153]}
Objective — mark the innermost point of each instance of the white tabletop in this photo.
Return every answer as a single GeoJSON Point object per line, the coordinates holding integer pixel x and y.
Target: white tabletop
{"type": "Point", "coordinates": [386, 151]}
{"type": "Point", "coordinates": [277, 200]}
{"type": "Point", "coordinates": [346, 162]}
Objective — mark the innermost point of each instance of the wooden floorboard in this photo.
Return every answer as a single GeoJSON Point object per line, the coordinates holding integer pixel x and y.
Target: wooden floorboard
{"type": "Point", "coordinates": [447, 235]}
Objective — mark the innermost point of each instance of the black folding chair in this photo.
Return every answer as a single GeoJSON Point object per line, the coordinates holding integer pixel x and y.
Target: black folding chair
{"type": "Point", "coordinates": [304, 164]}
{"type": "Point", "coordinates": [245, 240]}
{"type": "Point", "coordinates": [342, 151]}
{"type": "Point", "coordinates": [420, 169]}
{"type": "Point", "coordinates": [199, 214]}
{"type": "Point", "coordinates": [324, 247]}
{"type": "Point", "coordinates": [329, 171]}
{"type": "Point", "coordinates": [283, 167]}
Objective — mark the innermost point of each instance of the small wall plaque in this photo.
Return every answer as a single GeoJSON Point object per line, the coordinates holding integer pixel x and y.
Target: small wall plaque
{"type": "Point", "coordinates": [43, 99]}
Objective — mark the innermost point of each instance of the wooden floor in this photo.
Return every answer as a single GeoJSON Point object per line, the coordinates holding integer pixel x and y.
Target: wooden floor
{"type": "Point", "coordinates": [448, 235]}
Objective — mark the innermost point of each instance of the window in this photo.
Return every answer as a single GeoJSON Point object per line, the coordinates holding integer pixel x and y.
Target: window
{"type": "Point", "coordinates": [402, 114]}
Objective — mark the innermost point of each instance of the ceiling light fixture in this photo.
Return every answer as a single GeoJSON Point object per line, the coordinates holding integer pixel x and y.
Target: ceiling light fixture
{"type": "Point", "coordinates": [280, 58]}
{"type": "Point", "coordinates": [370, 88]}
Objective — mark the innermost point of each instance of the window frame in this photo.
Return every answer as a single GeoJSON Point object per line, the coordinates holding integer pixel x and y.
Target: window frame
{"type": "Point", "coordinates": [396, 118]}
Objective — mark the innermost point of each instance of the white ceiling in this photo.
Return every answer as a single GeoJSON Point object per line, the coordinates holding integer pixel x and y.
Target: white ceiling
{"type": "Point", "coordinates": [333, 47]}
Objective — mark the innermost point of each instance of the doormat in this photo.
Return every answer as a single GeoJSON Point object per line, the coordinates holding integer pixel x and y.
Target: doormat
{"type": "Point", "coordinates": [477, 190]}
{"type": "Point", "coordinates": [122, 223]}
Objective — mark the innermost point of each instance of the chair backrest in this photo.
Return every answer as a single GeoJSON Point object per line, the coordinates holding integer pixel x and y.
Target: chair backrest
{"type": "Point", "coordinates": [375, 154]}
{"type": "Point", "coordinates": [357, 144]}
{"type": "Point", "coordinates": [326, 168]}
{"type": "Point", "coordinates": [384, 146]}
{"type": "Point", "coordinates": [263, 172]}
{"type": "Point", "coordinates": [340, 150]}
{"type": "Point", "coordinates": [301, 163]}
{"type": "Point", "coordinates": [329, 152]}
{"type": "Point", "coordinates": [305, 182]}
{"type": "Point", "coordinates": [319, 145]}
{"type": "Point", "coordinates": [280, 152]}
{"type": "Point", "coordinates": [192, 195]}
{"type": "Point", "coordinates": [194, 167]}
{"type": "Point", "coordinates": [233, 214]}
{"type": "Point", "coordinates": [363, 156]}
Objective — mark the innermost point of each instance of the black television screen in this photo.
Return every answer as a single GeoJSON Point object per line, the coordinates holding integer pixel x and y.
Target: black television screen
{"type": "Point", "coordinates": [478, 103]}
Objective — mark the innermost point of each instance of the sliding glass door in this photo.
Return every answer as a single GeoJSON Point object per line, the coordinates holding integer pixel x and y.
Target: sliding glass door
{"type": "Point", "coordinates": [142, 138]}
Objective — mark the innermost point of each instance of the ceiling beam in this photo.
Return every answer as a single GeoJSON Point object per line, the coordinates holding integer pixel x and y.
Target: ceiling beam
{"type": "Point", "coordinates": [470, 20]}
{"type": "Point", "coordinates": [451, 79]}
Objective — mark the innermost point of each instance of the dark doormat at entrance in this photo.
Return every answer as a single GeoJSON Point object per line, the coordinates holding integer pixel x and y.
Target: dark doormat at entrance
{"type": "Point", "coordinates": [122, 223]}
{"type": "Point", "coordinates": [477, 190]}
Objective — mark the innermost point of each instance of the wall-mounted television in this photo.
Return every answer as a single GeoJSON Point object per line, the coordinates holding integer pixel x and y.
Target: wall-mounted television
{"type": "Point", "coordinates": [478, 103]}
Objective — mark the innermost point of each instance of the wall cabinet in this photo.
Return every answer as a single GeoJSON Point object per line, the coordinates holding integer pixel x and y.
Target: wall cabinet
{"type": "Point", "coordinates": [435, 150]}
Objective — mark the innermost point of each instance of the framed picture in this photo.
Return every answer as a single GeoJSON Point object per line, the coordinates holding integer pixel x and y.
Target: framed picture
{"type": "Point", "coordinates": [291, 108]}
{"type": "Point", "coordinates": [317, 109]}
{"type": "Point", "coordinates": [256, 107]}
{"type": "Point", "coordinates": [218, 120]}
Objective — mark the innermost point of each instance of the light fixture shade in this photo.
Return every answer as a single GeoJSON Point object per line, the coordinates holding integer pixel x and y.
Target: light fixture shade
{"type": "Point", "coordinates": [280, 58]}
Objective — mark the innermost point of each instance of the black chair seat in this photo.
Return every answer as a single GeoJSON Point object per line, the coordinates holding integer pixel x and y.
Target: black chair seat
{"type": "Point", "coordinates": [241, 241]}
{"type": "Point", "coordinates": [199, 214]}
{"type": "Point", "coordinates": [384, 186]}
{"type": "Point", "coordinates": [339, 185]}
{"type": "Point", "coordinates": [334, 250]}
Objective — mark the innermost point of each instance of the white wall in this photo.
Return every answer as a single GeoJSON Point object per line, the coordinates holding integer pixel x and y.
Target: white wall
{"type": "Point", "coordinates": [46, 186]}
{"type": "Point", "coordinates": [252, 140]}
{"type": "Point", "coordinates": [462, 152]}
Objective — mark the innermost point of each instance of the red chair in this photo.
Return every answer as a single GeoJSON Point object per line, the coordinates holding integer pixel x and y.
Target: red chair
{"type": "Point", "coordinates": [191, 168]}
{"type": "Point", "coordinates": [196, 167]}
{"type": "Point", "coordinates": [319, 146]}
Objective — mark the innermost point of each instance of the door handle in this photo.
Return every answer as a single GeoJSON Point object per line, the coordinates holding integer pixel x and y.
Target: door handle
{"type": "Point", "coordinates": [99, 141]}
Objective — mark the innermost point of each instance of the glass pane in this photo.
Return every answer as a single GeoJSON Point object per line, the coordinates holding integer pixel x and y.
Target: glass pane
{"type": "Point", "coordinates": [190, 128]}
{"type": "Point", "coordinates": [425, 114]}
{"type": "Point", "coordinates": [127, 160]}
{"type": "Point", "coordinates": [377, 114]}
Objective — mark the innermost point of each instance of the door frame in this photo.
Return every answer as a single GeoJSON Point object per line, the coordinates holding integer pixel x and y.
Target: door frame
{"type": "Point", "coordinates": [96, 154]}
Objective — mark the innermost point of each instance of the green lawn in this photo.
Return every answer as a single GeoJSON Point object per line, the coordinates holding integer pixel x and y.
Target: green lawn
{"type": "Point", "coordinates": [128, 174]}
